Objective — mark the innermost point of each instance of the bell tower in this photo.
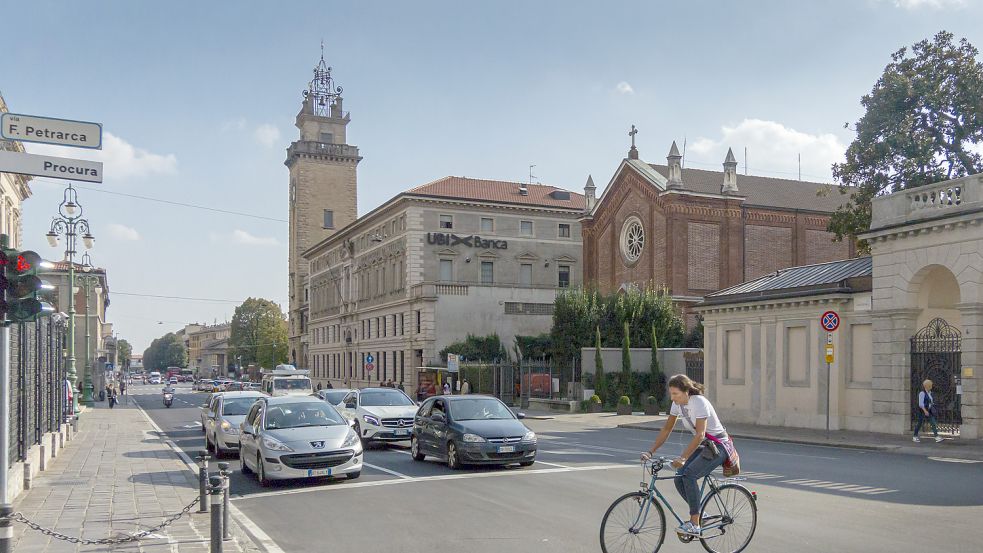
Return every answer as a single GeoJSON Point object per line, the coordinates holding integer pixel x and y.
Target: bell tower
{"type": "Point", "coordinates": [322, 190]}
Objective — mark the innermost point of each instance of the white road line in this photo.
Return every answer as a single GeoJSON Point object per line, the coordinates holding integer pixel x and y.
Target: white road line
{"type": "Point", "coordinates": [538, 462]}
{"type": "Point", "coordinates": [387, 471]}
{"type": "Point", "coordinates": [575, 452]}
{"type": "Point", "coordinates": [839, 486]}
{"type": "Point", "coordinates": [502, 474]}
{"type": "Point", "coordinates": [954, 460]}
{"type": "Point", "coordinates": [403, 451]}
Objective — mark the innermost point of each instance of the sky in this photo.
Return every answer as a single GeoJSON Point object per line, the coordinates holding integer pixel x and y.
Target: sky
{"type": "Point", "coordinates": [198, 99]}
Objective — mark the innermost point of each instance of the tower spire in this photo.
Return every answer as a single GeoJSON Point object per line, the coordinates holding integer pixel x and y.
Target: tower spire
{"type": "Point", "coordinates": [323, 95]}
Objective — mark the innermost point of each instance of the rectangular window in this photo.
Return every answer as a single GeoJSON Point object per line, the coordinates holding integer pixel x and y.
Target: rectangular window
{"type": "Point", "coordinates": [487, 272]}
{"type": "Point", "coordinates": [447, 221]}
{"type": "Point", "coordinates": [402, 329]}
{"type": "Point", "coordinates": [402, 376]}
{"type": "Point", "coordinates": [328, 218]}
{"type": "Point", "coordinates": [564, 276]}
{"type": "Point", "coordinates": [564, 230]}
{"type": "Point", "coordinates": [525, 274]}
{"type": "Point", "coordinates": [446, 270]}
{"type": "Point", "coordinates": [418, 317]}
{"type": "Point", "coordinates": [487, 224]}
{"type": "Point", "coordinates": [525, 228]}
{"type": "Point", "coordinates": [734, 357]}
{"type": "Point", "coordinates": [327, 137]}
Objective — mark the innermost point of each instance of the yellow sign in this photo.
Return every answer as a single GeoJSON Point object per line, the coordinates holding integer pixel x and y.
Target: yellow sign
{"type": "Point", "coordinates": [829, 353]}
{"type": "Point", "coordinates": [967, 372]}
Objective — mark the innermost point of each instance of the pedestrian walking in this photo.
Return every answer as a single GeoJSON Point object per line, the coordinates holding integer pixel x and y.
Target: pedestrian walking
{"type": "Point", "coordinates": [447, 388]}
{"type": "Point", "coordinates": [112, 396]}
{"type": "Point", "coordinates": [401, 388]}
{"type": "Point", "coordinates": [926, 411]}
{"type": "Point", "coordinates": [465, 387]}
{"type": "Point", "coordinates": [390, 384]}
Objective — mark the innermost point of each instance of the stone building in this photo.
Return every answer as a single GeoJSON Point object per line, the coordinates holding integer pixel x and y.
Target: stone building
{"type": "Point", "coordinates": [912, 311]}
{"type": "Point", "coordinates": [322, 190]}
{"type": "Point", "coordinates": [698, 231]}
{"type": "Point", "coordinates": [14, 189]}
{"type": "Point", "coordinates": [433, 264]}
{"type": "Point", "coordinates": [205, 349]}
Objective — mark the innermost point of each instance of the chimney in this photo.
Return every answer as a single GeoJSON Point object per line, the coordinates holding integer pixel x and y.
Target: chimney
{"type": "Point", "coordinates": [589, 193]}
{"type": "Point", "coordinates": [523, 189]}
{"type": "Point", "coordinates": [729, 185]}
{"type": "Point", "coordinates": [675, 162]}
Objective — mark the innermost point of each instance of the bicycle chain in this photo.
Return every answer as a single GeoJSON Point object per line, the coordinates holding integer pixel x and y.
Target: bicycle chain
{"type": "Point", "coordinates": [19, 517]}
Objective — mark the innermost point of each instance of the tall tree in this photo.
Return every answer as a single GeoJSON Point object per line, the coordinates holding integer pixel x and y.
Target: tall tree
{"type": "Point", "coordinates": [166, 351]}
{"type": "Point", "coordinates": [259, 333]}
{"type": "Point", "coordinates": [923, 124]}
{"type": "Point", "coordinates": [123, 352]}
{"type": "Point", "coordinates": [658, 378]}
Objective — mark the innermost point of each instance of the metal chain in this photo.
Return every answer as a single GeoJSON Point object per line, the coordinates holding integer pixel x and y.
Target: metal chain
{"type": "Point", "coordinates": [19, 517]}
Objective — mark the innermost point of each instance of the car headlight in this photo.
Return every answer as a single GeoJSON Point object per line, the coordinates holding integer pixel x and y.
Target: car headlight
{"type": "Point", "coordinates": [228, 428]}
{"type": "Point", "coordinates": [371, 420]}
{"type": "Point", "coordinates": [351, 440]}
{"type": "Point", "coordinates": [275, 445]}
{"type": "Point", "coordinates": [529, 437]}
{"type": "Point", "coordinates": [473, 438]}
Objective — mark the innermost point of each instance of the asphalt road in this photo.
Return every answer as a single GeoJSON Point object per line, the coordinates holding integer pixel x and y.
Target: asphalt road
{"type": "Point", "coordinates": [809, 498]}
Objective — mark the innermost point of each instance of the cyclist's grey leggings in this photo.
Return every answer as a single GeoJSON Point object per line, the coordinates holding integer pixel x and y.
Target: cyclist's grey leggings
{"type": "Point", "coordinates": [696, 467]}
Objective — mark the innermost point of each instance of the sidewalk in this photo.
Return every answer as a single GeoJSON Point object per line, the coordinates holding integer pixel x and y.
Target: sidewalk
{"type": "Point", "coordinates": [116, 477]}
{"type": "Point", "coordinates": [950, 448]}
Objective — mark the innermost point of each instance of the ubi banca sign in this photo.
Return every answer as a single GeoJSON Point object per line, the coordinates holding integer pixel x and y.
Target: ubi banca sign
{"type": "Point", "coordinates": [473, 241]}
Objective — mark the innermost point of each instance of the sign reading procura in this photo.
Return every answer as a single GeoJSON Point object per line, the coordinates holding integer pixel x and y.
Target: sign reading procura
{"type": "Point", "coordinates": [49, 130]}
{"type": "Point", "coordinates": [53, 167]}
{"type": "Point", "coordinates": [473, 241]}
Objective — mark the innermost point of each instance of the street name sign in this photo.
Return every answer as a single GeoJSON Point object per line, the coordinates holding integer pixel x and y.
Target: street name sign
{"type": "Point", "coordinates": [49, 130]}
{"type": "Point", "coordinates": [52, 167]}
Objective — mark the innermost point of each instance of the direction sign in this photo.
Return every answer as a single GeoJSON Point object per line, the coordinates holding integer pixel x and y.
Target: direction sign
{"type": "Point", "coordinates": [369, 359]}
{"type": "Point", "coordinates": [49, 130]}
{"type": "Point", "coordinates": [830, 321]}
{"type": "Point", "coordinates": [52, 167]}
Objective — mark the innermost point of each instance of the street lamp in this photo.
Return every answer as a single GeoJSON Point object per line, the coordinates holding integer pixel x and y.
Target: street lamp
{"type": "Point", "coordinates": [89, 282]}
{"type": "Point", "coordinates": [69, 222]}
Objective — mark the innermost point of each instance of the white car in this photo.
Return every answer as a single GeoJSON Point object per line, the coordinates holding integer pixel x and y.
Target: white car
{"type": "Point", "coordinates": [380, 414]}
{"type": "Point", "coordinates": [220, 420]}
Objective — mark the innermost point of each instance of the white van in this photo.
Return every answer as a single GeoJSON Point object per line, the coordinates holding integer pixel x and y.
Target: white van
{"type": "Point", "coordinates": [154, 378]}
{"type": "Point", "coordinates": [287, 380]}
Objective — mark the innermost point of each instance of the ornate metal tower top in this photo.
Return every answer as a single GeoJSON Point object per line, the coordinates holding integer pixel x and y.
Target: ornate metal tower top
{"type": "Point", "coordinates": [322, 94]}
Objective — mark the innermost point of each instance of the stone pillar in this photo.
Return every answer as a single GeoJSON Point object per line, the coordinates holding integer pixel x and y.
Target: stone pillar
{"type": "Point", "coordinates": [891, 369]}
{"type": "Point", "coordinates": [972, 358]}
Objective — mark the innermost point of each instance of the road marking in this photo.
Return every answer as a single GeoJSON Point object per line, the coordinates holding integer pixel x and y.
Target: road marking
{"type": "Point", "coordinates": [954, 460]}
{"type": "Point", "coordinates": [387, 471]}
{"type": "Point", "coordinates": [403, 451]}
{"type": "Point", "coordinates": [839, 486]}
{"type": "Point", "coordinates": [552, 464]}
{"type": "Point", "coordinates": [500, 474]}
{"type": "Point", "coordinates": [761, 475]}
{"type": "Point", "coordinates": [575, 452]}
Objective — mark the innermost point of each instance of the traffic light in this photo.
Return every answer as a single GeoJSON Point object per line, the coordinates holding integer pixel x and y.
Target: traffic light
{"type": "Point", "coordinates": [22, 287]}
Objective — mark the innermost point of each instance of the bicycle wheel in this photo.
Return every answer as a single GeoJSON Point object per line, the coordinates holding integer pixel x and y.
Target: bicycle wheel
{"type": "Point", "coordinates": [728, 517]}
{"type": "Point", "coordinates": [629, 526]}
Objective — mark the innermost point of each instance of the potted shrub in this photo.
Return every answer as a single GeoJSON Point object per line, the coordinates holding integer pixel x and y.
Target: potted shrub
{"type": "Point", "coordinates": [651, 406]}
{"type": "Point", "coordinates": [594, 406]}
{"type": "Point", "coordinates": [624, 406]}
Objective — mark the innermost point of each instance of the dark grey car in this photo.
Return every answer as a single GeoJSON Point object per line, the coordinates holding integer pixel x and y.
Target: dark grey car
{"type": "Point", "coordinates": [471, 429]}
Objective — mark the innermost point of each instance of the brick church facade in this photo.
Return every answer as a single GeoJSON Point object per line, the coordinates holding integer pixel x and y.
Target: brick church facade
{"type": "Point", "coordinates": [697, 231]}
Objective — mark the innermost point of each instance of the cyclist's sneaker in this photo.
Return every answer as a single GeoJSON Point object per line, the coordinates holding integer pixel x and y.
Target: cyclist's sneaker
{"type": "Point", "coordinates": [938, 439]}
{"type": "Point", "coordinates": [916, 439]}
{"type": "Point", "coordinates": [689, 529]}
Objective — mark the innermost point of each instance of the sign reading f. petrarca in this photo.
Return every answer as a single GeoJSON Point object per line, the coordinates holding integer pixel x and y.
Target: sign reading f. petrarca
{"type": "Point", "coordinates": [52, 167]}
{"type": "Point", "coordinates": [48, 130]}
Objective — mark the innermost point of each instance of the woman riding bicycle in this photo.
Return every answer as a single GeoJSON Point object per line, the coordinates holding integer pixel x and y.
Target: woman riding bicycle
{"type": "Point", "coordinates": [706, 451]}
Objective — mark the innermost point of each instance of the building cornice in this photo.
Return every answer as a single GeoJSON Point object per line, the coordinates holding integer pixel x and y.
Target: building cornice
{"type": "Point", "coordinates": [772, 304]}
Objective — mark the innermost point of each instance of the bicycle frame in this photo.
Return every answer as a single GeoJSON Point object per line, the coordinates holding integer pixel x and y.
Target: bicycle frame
{"type": "Point", "coordinates": [654, 493]}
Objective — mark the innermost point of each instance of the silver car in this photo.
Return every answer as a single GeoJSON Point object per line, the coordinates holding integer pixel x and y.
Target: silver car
{"type": "Point", "coordinates": [297, 437]}
{"type": "Point", "coordinates": [221, 417]}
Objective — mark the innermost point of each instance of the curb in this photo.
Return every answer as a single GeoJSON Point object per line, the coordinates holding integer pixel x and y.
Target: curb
{"type": "Point", "coordinates": [865, 447]}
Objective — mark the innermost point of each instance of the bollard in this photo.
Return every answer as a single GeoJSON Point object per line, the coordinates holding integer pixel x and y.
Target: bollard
{"type": "Point", "coordinates": [224, 472]}
{"type": "Point", "coordinates": [203, 481]}
{"type": "Point", "coordinates": [216, 491]}
{"type": "Point", "coordinates": [6, 530]}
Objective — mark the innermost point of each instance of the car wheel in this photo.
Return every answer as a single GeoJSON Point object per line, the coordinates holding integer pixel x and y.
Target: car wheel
{"type": "Point", "coordinates": [243, 468]}
{"type": "Point", "coordinates": [526, 463]}
{"type": "Point", "coordinates": [353, 475]}
{"type": "Point", "coordinates": [415, 449]}
{"type": "Point", "coordinates": [453, 461]}
{"type": "Point", "coordinates": [261, 472]}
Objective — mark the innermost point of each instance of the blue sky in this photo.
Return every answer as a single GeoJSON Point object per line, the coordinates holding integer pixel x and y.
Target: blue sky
{"type": "Point", "coordinates": [198, 103]}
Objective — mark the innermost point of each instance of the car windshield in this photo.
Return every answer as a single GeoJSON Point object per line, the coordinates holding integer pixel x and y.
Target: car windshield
{"type": "Point", "coordinates": [298, 415]}
{"type": "Point", "coordinates": [334, 398]}
{"type": "Point", "coordinates": [237, 405]}
{"type": "Point", "coordinates": [292, 383]}
{"type": "Point", "coordinates": [479, 409]}
{"type": "Point", "coordinates": [384, 398]}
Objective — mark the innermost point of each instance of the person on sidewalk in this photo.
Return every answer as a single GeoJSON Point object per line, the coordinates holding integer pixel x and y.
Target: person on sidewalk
{"type": "Point", "coordinates": [926, 411]}
{"type": "Point", "coordinates": [709, 448]}
{"type": "Point", "coordinates": [112, 396]}
{"type": "Point", "coordinates": [465, 387]}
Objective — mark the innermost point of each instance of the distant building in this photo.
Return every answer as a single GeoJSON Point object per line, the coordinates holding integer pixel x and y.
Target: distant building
{"type": "Point", "coordinates": [205, 350]}
{"type": "Point", "coordinates": [14, 189]}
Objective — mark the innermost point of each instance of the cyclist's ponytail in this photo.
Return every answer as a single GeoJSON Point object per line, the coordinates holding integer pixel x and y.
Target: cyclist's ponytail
{"type": "Point", "coordinates": [684, 383]}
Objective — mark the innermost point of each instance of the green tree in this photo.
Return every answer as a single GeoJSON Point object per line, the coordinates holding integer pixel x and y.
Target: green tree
{"type": "Point", "coordinates": [477, 348]}
{"type": "Point", "coordinates": [535, 347]}
{"type": "Point", "coordinates": [123, 353]}
{"type": "Point", "coordinates": [626, 375]}
{"type": "Point", "coordinates": [694, 339]}
{"type": "Point", "coordinates": [166, 351]}
{"type": "Point", "coordinates": [600, 380]}
{"type": "Point", "coordinates": [259, 333]}
{"type": "Point", "coordinates": [657, 380]}
{"type": "Point", "coordinates": [923, 120]}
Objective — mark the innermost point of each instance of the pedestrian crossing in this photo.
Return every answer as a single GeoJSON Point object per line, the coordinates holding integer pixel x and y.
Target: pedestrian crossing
{"type": "Point", "coordinates": [839, 486]}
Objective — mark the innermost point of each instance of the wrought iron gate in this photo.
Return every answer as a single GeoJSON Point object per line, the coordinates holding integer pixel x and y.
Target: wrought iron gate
{"type": "Point", "coordinates": [936, 355]}
{"type": "Point", "coordinates": [694, 366]}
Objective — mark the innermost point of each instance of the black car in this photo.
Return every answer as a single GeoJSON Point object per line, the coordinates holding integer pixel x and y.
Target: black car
{"type": "Point", "coordinates": [471, 429]}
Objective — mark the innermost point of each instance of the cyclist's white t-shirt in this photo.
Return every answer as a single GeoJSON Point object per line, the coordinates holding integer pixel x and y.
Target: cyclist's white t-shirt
{"type": "Point", "coordinates": [698, 407]}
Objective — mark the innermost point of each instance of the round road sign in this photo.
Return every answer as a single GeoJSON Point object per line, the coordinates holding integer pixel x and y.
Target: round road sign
{"type": "Point", "coordinates": [369, 359]}
{"type": "Point", "coordinates": [369, 366]}
{"type": "Point", "coordinates": [830, 321]}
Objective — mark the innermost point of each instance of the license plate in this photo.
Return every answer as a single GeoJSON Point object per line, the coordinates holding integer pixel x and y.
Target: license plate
{"type": "Point", "coordinates": [318, 472]}
{"type": "Point", "coordinates": [506, 449]}
{"type": "Point", "coordinates": [403, 432]}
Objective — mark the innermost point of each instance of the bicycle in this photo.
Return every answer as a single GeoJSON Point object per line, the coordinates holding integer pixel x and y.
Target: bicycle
{"type": "Point", "coordinates": [728, 515]}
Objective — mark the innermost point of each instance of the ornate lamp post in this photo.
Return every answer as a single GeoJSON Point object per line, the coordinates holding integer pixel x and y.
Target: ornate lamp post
{"type": "Point", "coordinates": [89, 283]}
{"type": "Point", "coordinates": [69, 222]}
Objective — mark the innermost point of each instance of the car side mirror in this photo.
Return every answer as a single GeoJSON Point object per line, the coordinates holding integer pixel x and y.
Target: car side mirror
{"type": "Point", "coordinates": [247, 430]}
{"type": "Point", "coordinates": [439, 418]}
{"type": "Point", "coordinates": [351, 422]}
{"type": "Point", "coordinates": [520, 415]}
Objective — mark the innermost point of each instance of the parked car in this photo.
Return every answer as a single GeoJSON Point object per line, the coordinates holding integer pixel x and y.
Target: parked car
{"type": "Point", "coordinates": [204, 385]}
{"type": "Point", "coordinates": [334, 396]}
{"type": "Point", "coordinates": [380, 414]}
{"type": "Point", "coordinates": [221, 417]}
{"type": "Point", "coordinates": [286, 437]}
{"type": "Point", "coordinates": [471, 429]}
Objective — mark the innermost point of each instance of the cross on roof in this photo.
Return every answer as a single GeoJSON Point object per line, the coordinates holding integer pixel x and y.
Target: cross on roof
{"type": "Point", "coordinates": [632, 134]}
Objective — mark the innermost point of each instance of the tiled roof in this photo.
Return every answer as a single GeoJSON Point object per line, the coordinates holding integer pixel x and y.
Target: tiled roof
{"type": "Point", "coordinates": [464, 188]}
{"type": "Point", "coordinates": [824, 275]}
{"type": "Point", "coordinates": [63, 266]}
{"type": "Point", "coordinates": [762, 191]}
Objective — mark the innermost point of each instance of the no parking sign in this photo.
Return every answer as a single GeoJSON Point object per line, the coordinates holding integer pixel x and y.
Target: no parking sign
{"type": "Point", "coordinates": [830, 321]}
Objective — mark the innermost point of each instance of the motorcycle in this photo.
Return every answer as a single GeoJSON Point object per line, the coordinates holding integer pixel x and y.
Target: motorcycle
{"type": "Point", "coordinates": [168, 399]}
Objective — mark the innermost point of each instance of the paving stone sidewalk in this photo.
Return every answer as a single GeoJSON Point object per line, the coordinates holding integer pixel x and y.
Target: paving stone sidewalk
{"type": "Point", "coordinates": [115, 478]}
